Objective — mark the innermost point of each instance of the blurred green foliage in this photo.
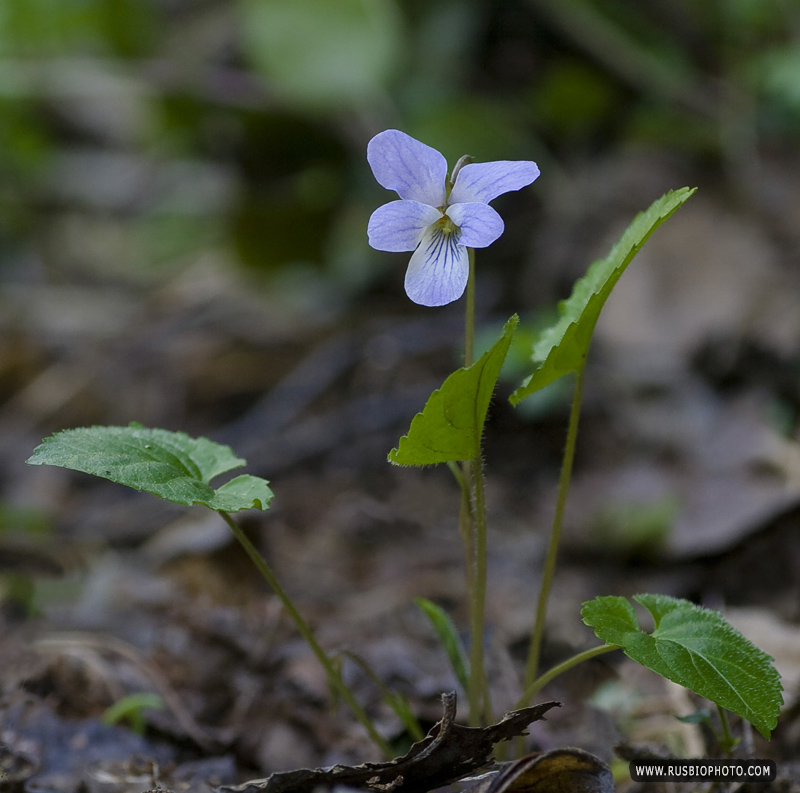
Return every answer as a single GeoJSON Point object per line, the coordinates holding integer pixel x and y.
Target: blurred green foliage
{"type": "Point", "coordinates": [321, 55]}
{"type": "Point", "coordinates": [637, 529]}
{"type": "Point", "coordinates": [131, 709]}
{"type": "Point", "coordinates": [242, 124]}
{"type": "Point", "coordinates": [65, 28]}
{"type": "Point", "coordinates": [26, 555]}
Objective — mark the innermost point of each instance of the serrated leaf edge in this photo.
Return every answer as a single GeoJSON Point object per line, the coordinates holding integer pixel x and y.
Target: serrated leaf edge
{"type": "Point", "coordinates": [765, 724]}
{"type": "Point", "coordinates": [507, 334]}
{"type": "Point", "coordinates": [164, 439]}
{"type": "Point", "coordinates": [545, 341]}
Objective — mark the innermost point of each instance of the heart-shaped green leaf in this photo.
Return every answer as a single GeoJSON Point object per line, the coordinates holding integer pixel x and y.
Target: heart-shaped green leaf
{"type": "Point", "coordinates": [451, 423]}
{"type": "Point", "coordinates": [697, 648]}
{"type": "Point", "coordinates": [171, 465]}
{"type": "Point", "coordinates": [563, 347]}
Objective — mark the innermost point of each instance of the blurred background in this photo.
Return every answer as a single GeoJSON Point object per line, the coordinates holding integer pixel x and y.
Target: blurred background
{"type": "Point", "coordinates": [184, 196]}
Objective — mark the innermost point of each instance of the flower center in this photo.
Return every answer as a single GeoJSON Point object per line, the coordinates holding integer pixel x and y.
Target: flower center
{"type": "Point", "coordinates": [446, 225]}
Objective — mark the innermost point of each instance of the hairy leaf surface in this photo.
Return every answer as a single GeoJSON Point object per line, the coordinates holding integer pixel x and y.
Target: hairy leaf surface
{"type": "Point", "coordinates": [697, 648]}
{"type": "Point", "coordinates": [451, 423]}
{"type": "Point", "coordinates": [171, 465]}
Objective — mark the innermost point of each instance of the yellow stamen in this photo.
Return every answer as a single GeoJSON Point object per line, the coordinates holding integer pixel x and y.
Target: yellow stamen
{"type": "Point", "coordinates": [446, 224]}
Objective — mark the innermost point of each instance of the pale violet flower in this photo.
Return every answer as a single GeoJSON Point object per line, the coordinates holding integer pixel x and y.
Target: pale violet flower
{"type": "Point", "coordinates": [436, 217]}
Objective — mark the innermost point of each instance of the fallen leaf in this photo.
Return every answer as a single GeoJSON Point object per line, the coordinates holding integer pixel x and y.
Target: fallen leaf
{"type": "Point", "coordinates": [565, 770]}
{"type": "Point", "coordinates": [448, 753]}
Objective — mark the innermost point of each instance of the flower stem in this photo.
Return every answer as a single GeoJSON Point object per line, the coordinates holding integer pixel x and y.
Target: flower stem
{"type": "Point", "coordinates": [537, 635]}
{"type": "Point", "coordinates": [469, 324]}
{"type": "Point", "coordinates": [473, 528]}
{"type": "Point", "coordinates": [334, 675]}
{"type": "Point", "coordinates": [466, 517]}
{"type": "Point", "coordinates": [539, 683]}
{"type": "Point", "coordinates": [479, 686]}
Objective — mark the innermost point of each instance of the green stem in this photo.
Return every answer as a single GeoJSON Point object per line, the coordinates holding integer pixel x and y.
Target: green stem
{"type": "Point", "coordinates": [537, 635]}
{"type": "Point", "coordinates": [538, 684]}
{"type": "Point", "coordinates": [458, 475]}
{"type": "Point", "coordinates": [728, 742]}
{"type": "Point", "coordinates": [469, 324]}
{"type": "Point", "coordinates": [479, 688]}
{"type": "Point", "coordinates": [473, 509]}
{"type": "Point", "coordinates": [463, 473]}
{"type": "Point", "coordinates": [466, 517]}
{"type": "Point", "coordinates": [334, 675]}
{"type": "Point", "coordinates": [396, 702]}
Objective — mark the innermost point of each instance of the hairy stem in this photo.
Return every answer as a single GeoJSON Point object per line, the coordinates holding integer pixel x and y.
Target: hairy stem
{"type": "Point", "coordinates": [534, 652]}
{"type": "Point", "coordinates": [478, 683]}
{"type": "Point", "coordinates": [466, 517]}
{"type": "Point", "coordinates": [334, 675]}
{"type": "Point", "coordinates": [473, 522]}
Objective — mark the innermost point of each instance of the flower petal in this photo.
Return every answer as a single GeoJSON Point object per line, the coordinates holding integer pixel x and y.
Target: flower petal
{"type": "Point", "coordinates": [438, 271]}
{"type": "Point", "coordinates": [401, 163]}
{"type": "Point", "coordinates": [480, 225]}
{"type": "Point", "coordinates": [398, 225]}
{"type": "Point", "coordinates": [483, 181]}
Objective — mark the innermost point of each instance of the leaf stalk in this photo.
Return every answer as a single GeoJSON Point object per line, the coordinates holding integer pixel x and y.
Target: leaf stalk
{"type": "Point", "coordinates": [540, 682]}
{"type": "Point", "coordinates": [334, 674]}
{"type": "Point", "coordinates": [535, 647]}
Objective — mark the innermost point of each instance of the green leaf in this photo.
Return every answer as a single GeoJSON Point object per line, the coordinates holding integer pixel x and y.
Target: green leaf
{"type": "Point", "coordinates": [448, 636]}
{"type": "Point", "coordinates": [697, 648]}
{"type": "Point", "coordinates": [171, 465]}
{"type": "Point", "coordinates": [702, 716]}
{"type": "Point", "coordinates": [563, 347]}
{"type": "Point", "coordinates": [243, 492]}
{"type": "Point", "coordinates": [451, 423]}
{"type": "Point", "coordinates": [131, 708]}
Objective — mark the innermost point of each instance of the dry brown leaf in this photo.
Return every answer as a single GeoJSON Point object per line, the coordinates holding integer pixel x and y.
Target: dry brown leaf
{"type": "Point", "coordinates": [564, 770]}
{"type": "Point", "coordinates": [448, 753]}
